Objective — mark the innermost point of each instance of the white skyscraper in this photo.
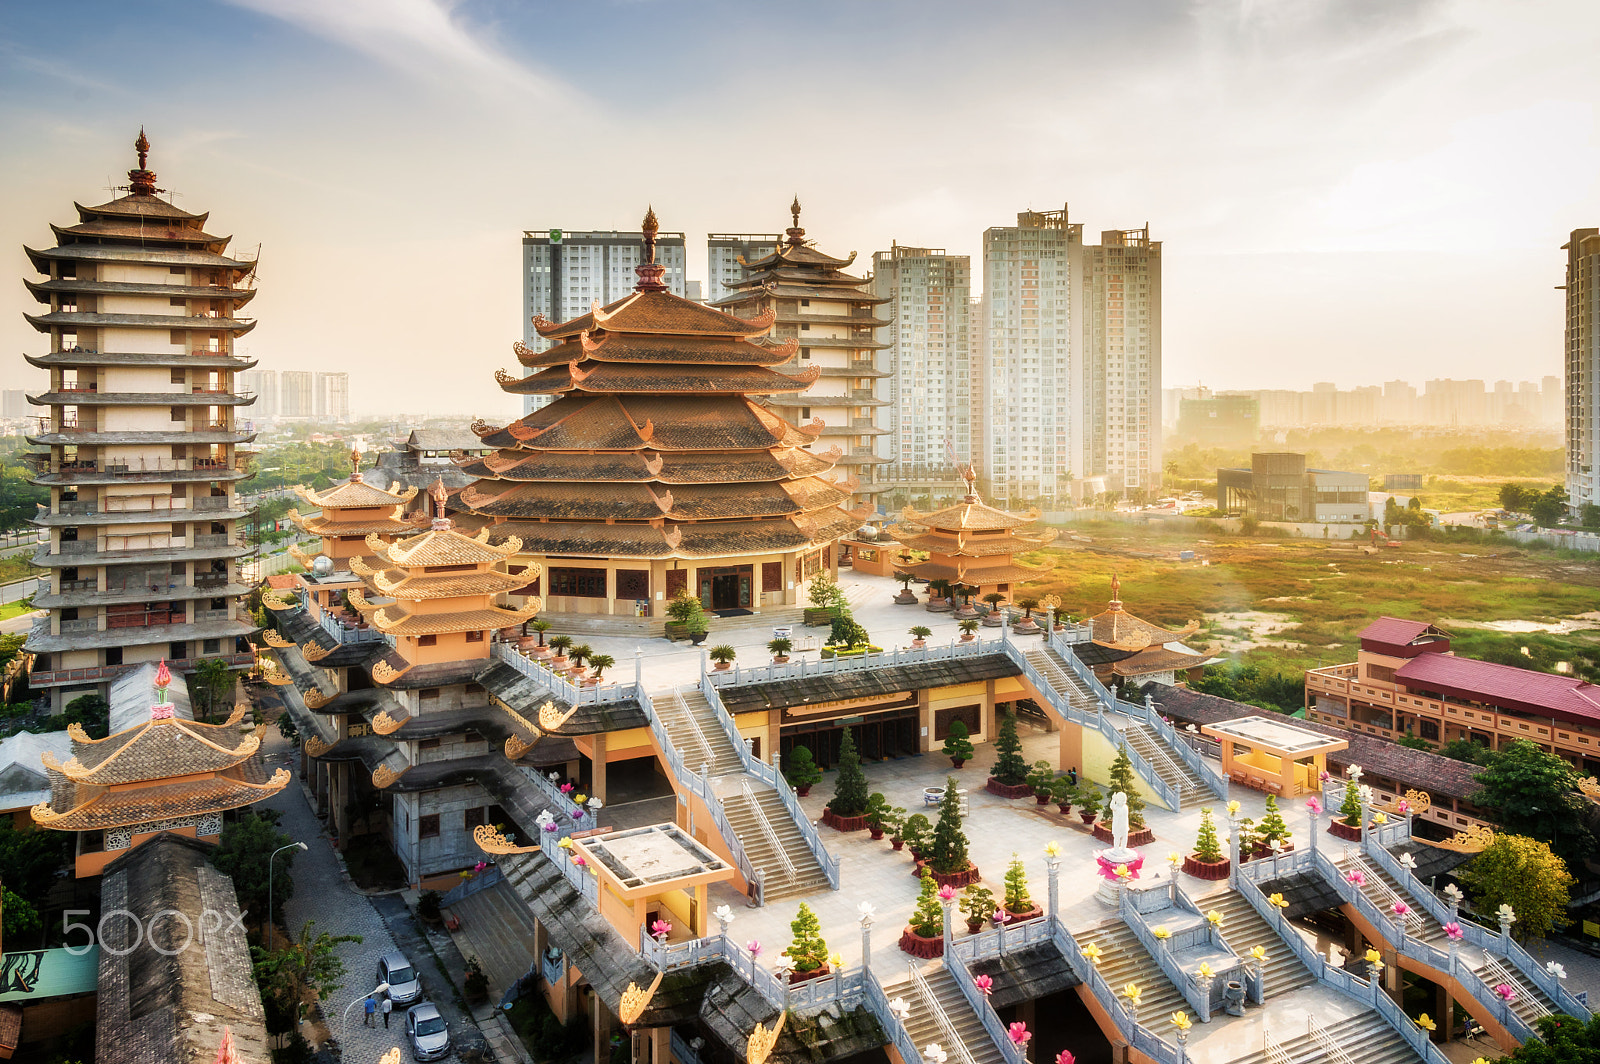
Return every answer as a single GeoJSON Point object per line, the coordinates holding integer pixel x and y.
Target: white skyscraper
{"type": "Point", "coordinates": [297, 393]}
{"type": "Point", "coordinates": [1121, 421]}
{"type": "Point", "coordinates": [564, 274]}
{"type": "Point", "coordinates": [929, 359]}
{"type": "Point", "coordinates": [1583, 367]}
{"type": "Point", "coordinates": [723, 252]}
{"type": "Point", "coordinates": [263, 384]}
{"type": "Point", "coordinates": [333, 396]}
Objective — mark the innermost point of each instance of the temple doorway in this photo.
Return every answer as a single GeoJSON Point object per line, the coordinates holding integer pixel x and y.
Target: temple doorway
{"type": "Point", "coordinates": [726, 587]}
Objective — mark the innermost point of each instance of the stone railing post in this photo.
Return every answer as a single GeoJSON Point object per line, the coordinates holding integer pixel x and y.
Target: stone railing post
{"type": "Point", "coordinates": [1052, 866]}
{"type": "Point", "coordinates": [949, 935]}
{"type": "Point", "coordinates": [866, 911]}
{"type": "Point", "coordinates": [1233, 851]}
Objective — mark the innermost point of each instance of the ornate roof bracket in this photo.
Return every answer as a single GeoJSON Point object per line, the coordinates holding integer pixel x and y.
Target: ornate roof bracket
{"type": "Point", "coordinates": [315, 699]}
{"type": "Point", "coordinates": [813, 427]}
{"type": "Point", "coordinates": [788, 348]}
{"type": "Point", "coordinates": [1417, 802]}
{"type": "Point", "coordinates": [481, 428]}
{"type": "Point", "coordinates": [311, 650]}
{"type": "Point", "coordinates": [673, 536]}
{"type": "Point", "coordinates": [521, 432]}
{"type": "Point", "coordinates": [360, 568]}
{"type": "Point", "coordinates": [1474, 839]}
{"type": "Point", "coordinates": [515, 747]}
{"type": "Point", "coordinates": [383, 776]}
{"type": "Point", "coordinates": [647, 431]}
{"type": "Point", "coordinates": [276, 641]}
{"type": "Point", "coordinates": [502, 377]}
{"type": "Point", "coordinates": [808, 375]}
{"type": "Point", "coordinates": [653, 465]}
{"type": "Point", "coordinates": [272, 600]}
{"type": "Point", "coordinates": [663, 502]}
{"type": "Point", "coordinates": [600, 316]}
{"type": "Point", "coordinates": [578, 376]}
{"type": "Point", "coordinates": [542, 325]}
{"type": "Point", "coordinates": [315, 747]}
{"type": "Point", "coordinates": [491, 841]}
{"type": "Point", "coordinates": [522, 350]}
{"type": "Point", "coordinates": [384, 673]}
{"type": "Point", "coordinates": [635, 1001]}
{"type": "Point", "coordinates": [590, 346]}
{"type": "Point", "coordinates": [759, 1046]}
{"type": "Point", "coordinates": [384, 724]}
{"type": "Point", "coordinates": [551, 718]}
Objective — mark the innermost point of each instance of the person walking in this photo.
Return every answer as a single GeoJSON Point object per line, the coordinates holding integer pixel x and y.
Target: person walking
{"type": "Point", "coordinates": [388, 1007]}
{"type": "Point", "coordinates": [372, 1007]}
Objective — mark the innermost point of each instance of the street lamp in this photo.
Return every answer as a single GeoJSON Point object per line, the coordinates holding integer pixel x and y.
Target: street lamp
{"type": "Point", "coordinates": [381, 988]}
{"type": "Point", "coordinates": [275, 853]}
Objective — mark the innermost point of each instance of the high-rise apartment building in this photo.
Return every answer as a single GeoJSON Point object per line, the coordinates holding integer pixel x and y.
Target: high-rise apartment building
{"type": "Point", "coordinates": [333, 396]}
{"type": "Point", "coordinates": [297, 393]}
{"type": "Point", "coordinates": [263, 384]}
{"type": "Point", "coordinates": [138, 440]}
{"type": "Point", "coordinates": [1583, 367]}
{"type": "Point", "coordinates": [977, 373]}
{"type": "Point", "coordinates": [1033, 391]}
{"type": "Point", "coordinates": [930, 366]}
{"type": "Point", "coordinates": [723, 254]}
{"type": "Point", "coordinates": [1121, 360]}
{"type": "Point", "coordinates": [565, 273]}
{"type": "Point", "coordinates": [14, 404]}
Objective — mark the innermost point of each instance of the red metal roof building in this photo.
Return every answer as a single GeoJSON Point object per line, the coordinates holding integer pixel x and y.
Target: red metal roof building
{"type": "Point", "coordinates": [1406, 679]}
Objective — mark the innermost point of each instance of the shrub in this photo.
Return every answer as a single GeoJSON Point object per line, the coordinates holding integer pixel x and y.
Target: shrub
{"type": "Point", "coordinates": [1207, 847]}
{"type": "Point", "coordinates": [1063, 791]}
{"type": "Point", "coordinates": [1090, 799]}
{"type": "Point", "coordinates": [1041, 776]}
{"type": "Point", "coordinates": [800, 768]}
{"type": "Point", "coordinates": [956, 742]}
{"type": "Point", "coordinates": [916, 831]}
{"type": "Point", "coordinates": [428, 905]}
{"type": "Point", "coordinates": [947, 852]}
{"type": "Point", "coordinates": [927, 919]}
{"type": "Point", "coordinates": [921, 631]}
{"type": "Point", "coordinates": [977, 902]}
{"type": "Point", "coordinates": [808, 951]}
{"type": "Point", "coordinates": [1010, 769]}
{"type": "Point", "coordinates": [850, 790]}
{"type": "Point", "coordinates": [1017, 900]}
{"type": "Point", "coordinates": [1272, 829]}
{"type": "Point", "coordinates": [1350, 808]}
{"type": "Point", "coordinates": [722, 653]}
{"type": "Point", "coordinates": [1525, 874]}
{"type": "Point", "coordinates": [1122, 779]}
{"type": "Point", "coordinates": [780, 647]}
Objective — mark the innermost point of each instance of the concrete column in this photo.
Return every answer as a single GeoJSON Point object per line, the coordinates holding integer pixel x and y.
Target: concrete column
{"type": "Point", "coordinates": [660, 1045]}
{"type": "Point", "coordinates": [597, 766]}
{"type": "Point", "coordinates": [601, 1019]}
{"type": "Point", "coordinates": [341, 805]}
{"type": "Point", "coordinates": [990, 727]}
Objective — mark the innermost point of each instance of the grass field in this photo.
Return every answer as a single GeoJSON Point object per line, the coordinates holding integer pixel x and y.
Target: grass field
{"type": "Point", "coordinates": [1299, 603]}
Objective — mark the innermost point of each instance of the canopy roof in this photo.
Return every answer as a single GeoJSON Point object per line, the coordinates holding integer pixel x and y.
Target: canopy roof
{"type": "Point", "coordinates": [1115, 627]}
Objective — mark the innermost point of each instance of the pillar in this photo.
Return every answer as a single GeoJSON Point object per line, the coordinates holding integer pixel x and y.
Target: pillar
{"type": "Point", "coordinates": [597, 765]}
{"type": "Point", "coordinates": [574, 768]}
{"type": "Point", "coordinates": [990, 727]}
{"type": "Point", "coordinates": [601, 1019]}
{"type": "Point", "coordinates": [660, 1045]}
{"type": "Point", "coordinates": [925, 715]}
{"type": "Point", "coordinates": [341, 805]}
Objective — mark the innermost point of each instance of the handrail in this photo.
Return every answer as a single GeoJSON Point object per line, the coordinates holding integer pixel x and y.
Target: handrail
{"type": "Point", "coordinates": [765, 773]}
{"type": "Point", "coordinates": [1186, 753]}
{"type": "Point", "coordinates": [709, 756]}
{"type": "Point", "coordinates": [1411, 944]}
{"type": "Point", "coordinates": [983, 1008]}
{"type": "Point", "coordinates": [1139, 1036]}
{"type": "Point", "coordinates": [560, 687]}
{"type": "Point", "coordinates": [1330, 1049]}
{"type": "Point", "coordinates": [771, 836]}
{"type": "Point", "coordinates": [740, 675]}
{"type": "Point", "coordinates": [940, 1020]}
{"type": "Point", "coordinates": [1510, 1016]}
{"type": "Point", "coordinates": [1369, 875]}
{"type": "Point", "coordinates": [1109, 704]}
{"type": "Point", "coordinates": [1275, 1053]}
{"type": "Point", "coordinates": [878, 1004]}
{"type": "Point", "coordinates": [1198, 997]}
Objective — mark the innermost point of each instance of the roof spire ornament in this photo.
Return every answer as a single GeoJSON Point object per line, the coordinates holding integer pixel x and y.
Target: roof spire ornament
{"type": "Point", "coordinates": [650, 272]}
{"type": "Point", "coordinates": [142, 181]}
{"type": "Point", "coordinates": [1116, 593]}
{"type": "Point", "coordinates": [355, 465]}
{"type": "Point", "coordinates": [162, 710]}
{"type": "Point", "coordinates": [437, 490]}
{"type": "Point", "coordinates": [797, 236]}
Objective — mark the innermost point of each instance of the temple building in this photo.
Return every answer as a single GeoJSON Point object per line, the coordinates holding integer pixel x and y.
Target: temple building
{"type": "Point", "coordinates": [140, 443]}
{"type": "Point", "coordinates": [348, 513]}
{"type": "Point", "coordinates": [972, 544]}
{"type": "Point", "coordinates": [654, 470]}
{"type": "Point", "coordinates": [1126, 649]}
{"type": "Point", "coordinates": [159, 770]}
{"type": "Point", "coordinates": [427, 455]}
{"type": "Point", "coordinates": [829, 315]}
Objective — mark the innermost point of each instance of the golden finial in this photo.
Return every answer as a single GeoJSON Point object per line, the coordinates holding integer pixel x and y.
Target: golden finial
{"type": "Point", "coordinates": [355, 464]}
{"type": "Point", "coordinates": [634, 1001]}
{"type": "Point", "coordinates": [651, 225]}
{"type": "Point", "coordinates": [142, 146]}
{"type": "Point", "coordinates": [759, 1046]}
{"type": "Point", "coordinates": [794, 210]}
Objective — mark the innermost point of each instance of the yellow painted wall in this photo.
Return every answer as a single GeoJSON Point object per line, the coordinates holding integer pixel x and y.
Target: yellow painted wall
{"type": "Point", "coordinates": [1097, 757]}
{"type": "Point", "coordinates": [625, 745]}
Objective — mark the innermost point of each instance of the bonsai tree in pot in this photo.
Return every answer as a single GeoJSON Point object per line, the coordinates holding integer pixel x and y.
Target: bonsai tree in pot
{"type": "Point", "coordinates": [879, 814]}
{"type": "Point", "coordinates": [938, 595]}
{"type": "Point", "coordinates": [808, 952]}
{"type": "Point", "coordinates": [579, 654]}
{"type": "Point", "coordinates": [1027, 624]}
{"type": "Point", "coordinates": [957, 746]}
{"type": "Point", "coordinates": [891, 819]}
{"type": "Point", "coordinates": [559, 644]}
{"type": "Point", "coordinates": [915, 833]}
{"type": "Point", "coordinates": [906, 597]}
{"type": "Point", "coordinates": [977, 905]}
{"type": "Point", "coordinates": [1273, 833]}
{"type": "Point", "coordinates": [924, 935]}
{"type": "Point", "coordinates": [1010, 770]}
{"type": "Point", "coordinates": [723, 655]}
{"type": "Point", "coordinates": [1089, 802]}
{"type": "Point", "coordinates": [849, 803]}
{"type": "Point", "coordinates": [1040, 777]}
{"type": "Point", "coordinates": [697, 629]}
{"type": "Point", "coordinates": [599, 663]}
{"type": "Point", "coordinates": [919, 636]}
{"type": "Point", "coordinates": [540, 627]}
{"type": "Point", "coordinates": [1017, 902]}
{"type": "Point", "coordinates": [1063, 793]}
{"type": "Point", "coordinates": [1207, 861]}
{"type": "Point", "coordinates": [947, 850]}
{"type": "Point", "coordinates": [801, 770]}
{"type": "Point", "coordinates": [780, 648]}
{"type": "Point", "coordinates": [994, 598]}
{"type": "Point", "coordinates": [965, 593]}
{"type": "Point", "coordinates": [969, 629]}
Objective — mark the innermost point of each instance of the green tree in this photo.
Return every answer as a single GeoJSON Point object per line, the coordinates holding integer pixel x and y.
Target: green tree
{"type": "Point", "coordinates": [1562, 1039]}
{"type": "Point", "coordinates": [1414, 742]}
{"type": "Point", "coordinates": [1017, 900]}
{"type": "Point", "coordinates": [1517, 497]}
{"type": "Point", "coordinates": [1246, 682]}
{"type": "Point", "coordinates": [1525, 874]}
{"type": "Point", "coordinates": [1121, 778]}
{"type": "Point", "coordinates": [211, 685]}
{"type": "Point", "coordinates": [948, 851]}
{"type": "Point", "coordinates": [1550, 508]}
{"type": "Point", "coordinates": [90, 711]}
{"type": "Point", "coordinates": [1466, 750]}
{"type": "Point", "coordinates": [957, 746]}
{"type": "Point", "coordinates": [29, 860]}
{"type": "Point", "coordinates": [1272, 828]}
{"type": "Point", "coordinates": [308, 966]}
{"type": "Point", "coordinates": [1534, 793]}
{"type": "Point", "coordinates": [800, 768]}
{"type": "Point", "coordinates": [808, 951]}
{"type": "Point", "coordinates": [927, 919]}
{"type": "Point", "coordinates": [850, 789]}
{"type": "Point", "coordinates": [1350, 808]}
{"type": "Point", "coordinates": [1011, 768]}
{"type": "Point", "coordinates": [243, 851]}
{"type": "Point", "coordinates": [825, 591]}
{"type": "Point", "coordinates": [847, 633]}
{"type": "Point", "coordinates": [21, 920]}
{"type": "Point", "coordinates": [1207, 847]}
{"type": "Point", "coordinates": [1589, 515]}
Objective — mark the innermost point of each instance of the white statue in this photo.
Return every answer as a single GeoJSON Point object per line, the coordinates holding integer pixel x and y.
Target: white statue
{"type": "Point", "coordinates": [1119, 821]}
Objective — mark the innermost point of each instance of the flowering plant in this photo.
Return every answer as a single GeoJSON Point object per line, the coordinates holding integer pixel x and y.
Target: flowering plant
{"type": "Point", "coordinates": [1132, 992]}
{"type": "Point", "coordinates": [1019, 1034]}
{"type": "Point", "coordinates": [1052, 849]}
{"type": "Point", "coordinates": [660, 930]}
{"type": "Point", "coordinates": [985, 984]}
{"type": "Point", "coordinates": [1505, 992]}
{"type": "Point", "coordinates": [754, 947]}
{"type": "Point", "coordinates": [1453, 929]}
{"type": "Point", "coordinates": [1162, 932]}
{"type": "Point", "coordinates": [579, 861]}
{"type": "Point", "coordinates": [565, 844]}
{"type": "Point", "coordinates": [1314, 806]}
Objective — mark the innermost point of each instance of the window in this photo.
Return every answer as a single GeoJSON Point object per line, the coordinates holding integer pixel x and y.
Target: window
{"type": "Point", "coordinates": [471, 818]}
{"type": "Point", "coordinates": [474, 637]}
{"type": "Point", "coordinates": [429, 694]}
{"type": "Point", "coordinates": [1380, 673]}
{"type": "Point", "coordinates": [580, 583]}
{"type": "Point", "coordinates": [428, 826]}
{"type": "Point", "coordinates": [633, 583]}
{"type": "Point", "coordinates": [428, 744]}
{"type": "Point", "coordinates": [177, 376]}
{"type": "Point", "coordinates": [211, 646]}
{"type": "Point", "coordinates": [175, 336]}
{"type": "Point", "coordinates": [176, 413]}
{"type": "Point", "coordinates": [427, 640]}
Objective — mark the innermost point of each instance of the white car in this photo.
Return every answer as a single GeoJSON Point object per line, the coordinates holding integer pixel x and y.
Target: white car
{"type": "Point", "coordinates": [428, 1032]}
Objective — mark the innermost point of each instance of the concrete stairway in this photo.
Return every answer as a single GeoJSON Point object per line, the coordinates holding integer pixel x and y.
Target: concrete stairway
{"type": "Point", "coordinates": [1529, 1002]}
{"type": "Point", "coordinates": [1243, 929]}
{"type": "Point", "coordinates": [1061, 677]}
{"type": "Point", "coordinates": [1123, 960]}
{"type": "Point", "coordinates": [787, 865]}
{"type": "Point", "coordinates": [692, 726]}
{"type": "Point", "coordinates": [1381, 889]}
{"type": "Point", "coordinates": [1180, 777]}
{"type": "Point", "coordinates": [972, 1041]}
{"type": "Point", "coordinates": [1363, 1039]}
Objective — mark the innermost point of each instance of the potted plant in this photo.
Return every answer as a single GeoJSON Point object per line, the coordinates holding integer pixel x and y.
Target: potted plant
{"type": "Point", "coordinates": [906, 597]}
{"type": "Point", "coordinates": [559, 644]}
{"type": "Point", "coordinates": [684, 610]}
{"type": "Point", "coordinates": [915, 833]}
{"type": "Point", "coordinates": [964, 592]}
{"type": "Point", "coordinates": [957, 746]}
{"type": "Point", "coordinates": [697, 630]}
{"type": "Point", "coordinates": [1063, 792]}
{"type": "Point", "coordinates": [848, 809]}
{"type": "Point", "coordinates": [780, 648]}
{"type": "Point", "coordinates": [1121, 778]}
{"type": "Point", "coordinates": [1347, 825]}
{"type": "Point", "coordinates": [1089, 802]}
{"type": "Point", "coordinates": [801, 770]}
{"type": "Point", "coordinates": [977, 905]}
{"type": "Point", "coordinates": [938, 596]}
{"type": "Point", "coordinates": [428, 907]}
{"type": "Point", "coordinates": [1018, 905]}
{"type": "Point", "coordinates": [579, 654]}
{"type": "Point", "coordinates": [947, 849]}
{"type": "Point", "coordinates": [924, 935]}
{"type": "Point", "coordinates": [894, 823]}
{"type": "Point", "coordinates": [540, 627]}
{"type": "Point", "coordinates": [919, 636]}
{"type": "Point", "coordinates": [723, 655]}
{"type": "Point", "coordinates": [826, 599]}
{"type": "Point", "coordinates": [1273, 834]}
{"type": "Point", "coordinates": [878, 814]}
{"type": "Point", "coordinates": [475, 982]}
{"type": "Point", "coordinates": [598, 664]}
{"type": "Point", "coordinates": [1027, 626]}
{"type": "Point", "coordinates": [1207, 861]}
{"type": "Point", "coordinates": [969, 629]}
{"type": "Point", "coordinates": [994, 618]}
{"type": "Point", "coordinates": [808, 953]}
{"type": "Point", "coordinates": [1040, 778]}
{"type": "Point", "coordinates": [1009, 777]}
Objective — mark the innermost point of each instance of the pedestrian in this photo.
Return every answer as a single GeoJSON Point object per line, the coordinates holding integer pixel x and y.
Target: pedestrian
{"type": "Point", "coordinates": [372, 1006]}
{"type": "Point", "coordinates": [388, 1007]}
{"type": "Point", "coordinates": [1072, 776]}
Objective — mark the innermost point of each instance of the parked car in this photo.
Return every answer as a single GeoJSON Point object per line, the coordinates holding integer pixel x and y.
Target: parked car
{"type": "Point", "coordinates": [428, 1032]}
{"type": "Point", "coordinates": [394, 969]}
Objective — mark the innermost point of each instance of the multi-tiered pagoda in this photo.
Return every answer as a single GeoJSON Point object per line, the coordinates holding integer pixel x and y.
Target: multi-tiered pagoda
{"type": "Point", "coordinates": [141, 432]}
{"type": "Point", "coordinates": [655, 469]}
{"type": "Point", "coordinates": [972, 544]}
{"type": "Point", "coordinates": [828, 315]}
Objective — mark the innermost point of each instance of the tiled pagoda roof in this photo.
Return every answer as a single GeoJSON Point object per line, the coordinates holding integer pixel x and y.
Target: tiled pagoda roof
{"type": "Point", "coordinates": [970, 515]}
{"type": "Point", "coordinates": [720, 351]}
{"type": "Point", "coordinates": [154, 750]}
{"type": "Point", "coordinates": [100, 808]}
{"type": "Point", "coordinates": [406, 584]}
{"type": "Point", "coordinates": [979, 571]}
{"type": "Point", "coordinates": [137, 205]}
{"type": "Point", "coordinates": [394, 620]}
{"type": "Point", "coordinates": [952, 544]}
{"type": "Point", "coordinates": [657, 422]}
{"type": "Point", "coordinates": [701, 539]}
{"type": "Point", "coordinates": [656, 314]}
{"type": "Point", "coordinates": [651, 379]}
{"type": "Point", "coordinates": [679, 467]}
{"type": "Point", "coordinates": [638, 502]}
{"type": "Point", "coordinates": [138, 230]}
{"type": "Point", "coordinates": [441, 546]}
{"type": "Point", "coordinates": [1116, 627]}
{"type": "Point", "coordinates": [355, 493]}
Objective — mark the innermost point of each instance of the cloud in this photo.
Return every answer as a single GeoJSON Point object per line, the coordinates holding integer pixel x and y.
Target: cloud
{"type": "Point", "coordinates": [424, 38]}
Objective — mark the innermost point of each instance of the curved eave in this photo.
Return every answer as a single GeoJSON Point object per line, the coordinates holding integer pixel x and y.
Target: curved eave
{"type": "Point", "coordinates": [141, 476]}
{"type": "Point", "coordinates": [188, 323]}
{"type": "Point", "coordinates": [41, 258]}
{"type": "Point", "coordinates": [831, 293]}
{"type": "Point", "coordinates": [133, 358]}
{"type": "Point", "coordinates": [184, 593]}
{"type": "Point", "coordinates": [141, 399]}
{"type": "Point", "coordinates": [130, 207]}
{"type": "Point", "coordinates": [45, 560]}
{"type": "Point", "coordinates": [135, 517]}
{"type": "Point", "coordinates": [42, 290]}
{"type": "Point", "coordinates": [132, 439]}
{"type": "Point", "coordinates": [558, 381]}
{"type": "Point", "coordinates": [121, 808]}
{"type": "Point", "coordinates": [813, 400]}
{"type": "Point", "coordinates": [833, 343]}
{"type": "Point", "coordinates": [146, 232]}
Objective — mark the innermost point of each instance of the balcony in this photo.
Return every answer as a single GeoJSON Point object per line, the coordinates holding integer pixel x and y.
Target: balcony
{"type": "Point", "coordinates": [74, 387]}
{"type": "Point", "coordinates": [78, 506]}
{"type": "Point", "coordinates": [80, 624]}
{"type": "Point", "coordinates": [213, 579]}
{"type": "Point", "coordinates": [221, 539]}
{"type": "Point", "coordinates": [211, 502]}
{"type": "Point", "coordinates": [224, 614]}
{"type": "Point", "coordinates": [80, 585]}
{"type": "Point", "coordinates": [76, 546]}
{"type": "Point", "coordinates": [96, 673]}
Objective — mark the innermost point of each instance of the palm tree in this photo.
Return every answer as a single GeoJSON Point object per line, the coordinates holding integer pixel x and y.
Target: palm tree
{"type": "Point", "coordinates": [559, 644]}
{"type": "Point", "coordinates": [579, 653]}
{"type": "Point", "coordinates": [600, 663]}
{"type": "Point", "coordinates": [541, 626]}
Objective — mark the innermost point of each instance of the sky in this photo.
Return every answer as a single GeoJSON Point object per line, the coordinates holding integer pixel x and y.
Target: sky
{"type": "Point", "coordinates": [1345, 190]}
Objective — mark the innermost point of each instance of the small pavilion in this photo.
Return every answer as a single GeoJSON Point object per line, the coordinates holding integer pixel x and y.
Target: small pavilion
{"type": "Point", "coordinates": [1268, 755]}
{"type": "Point", "coordinates": [653, 873]}
{"type": "Point", "coordinates": [972, 543]}
{"type": "Point", "coordinates": [1124, 648]}
{"type": "Point", "coordinates": [350, 512]}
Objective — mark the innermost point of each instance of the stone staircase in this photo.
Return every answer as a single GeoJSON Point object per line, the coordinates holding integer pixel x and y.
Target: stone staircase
{"type": "Point", "coordinates": [1063, 679]}
{"type": "Point", "coordinates": [771, 839]}
{"type": "Point", "coordinates": [1528, 1002]}
{"type": "Point", "coordinates": [972, 1043]}
{"type": "Point", "coordinates": [1123, 960]}
{"type": "Point", "coordinates": [1383, 891]}
{"type": "Point", "coordinates": [1361, 1039]}
{"type": "Point", "coordinates": [1180, 777]}
{"type": "Point", "coordinates": [1243, 929]}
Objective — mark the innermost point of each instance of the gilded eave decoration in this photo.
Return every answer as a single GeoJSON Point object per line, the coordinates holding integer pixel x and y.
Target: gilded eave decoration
{"type": "Point", "coordinates": [635, 1001]}
{"type": "Point", "coordinates": [383, 776]}
{"type": "Point", "coordinates": [759, 1046]}
{"type": "Point", "coordinates": [1474, 839]}
{"type": "Point", "coordinates": [384, 724]}
{"type": "Point", "coordinates": [491, 841]}
{"type": "Point", "coordinates": [1417, 803]}
{"type": "Point", "coordinates": [315, 699]}
{"type": "Point", "coordinates": [383, 672]}
{"type": "Point", "coordinates": [276, 641]}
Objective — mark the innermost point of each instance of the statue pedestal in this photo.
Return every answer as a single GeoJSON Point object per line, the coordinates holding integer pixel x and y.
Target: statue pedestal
{"type": "Point", "coordinates": [1111, 884]}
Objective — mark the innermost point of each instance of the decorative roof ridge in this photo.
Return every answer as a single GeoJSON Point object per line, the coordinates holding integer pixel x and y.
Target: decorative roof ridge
{"type": "Point", "coordinates": [76, 770]}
